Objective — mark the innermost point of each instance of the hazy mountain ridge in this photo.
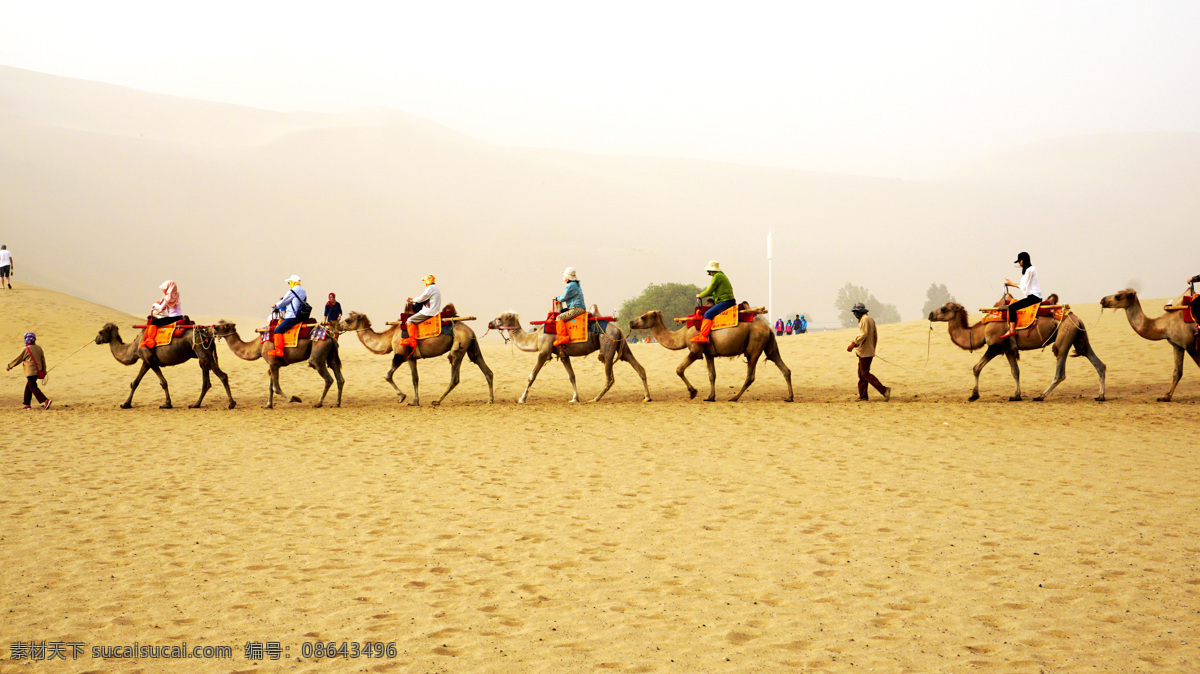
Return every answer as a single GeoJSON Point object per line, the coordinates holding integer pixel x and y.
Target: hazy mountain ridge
{"type": "Point", "coordinates": [107, 191]}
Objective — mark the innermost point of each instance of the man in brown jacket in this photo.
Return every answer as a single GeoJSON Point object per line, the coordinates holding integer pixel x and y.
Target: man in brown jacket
{"type": "Point", "coordinates": [35, 369]}
{"type": "Point", "coordinates": [865, 345]}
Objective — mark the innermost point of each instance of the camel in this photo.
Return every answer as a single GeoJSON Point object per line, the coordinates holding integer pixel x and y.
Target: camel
{"type": "Point", "coordinates": [321, 355]}
{"type": "Point", "coordinates": [1066, 334]}
{"type": "Point", "coordinates": [193, 343]}
{"type": "Point", "coordinates": [461, 342]}
{"type": "Point", "coordinates": [611, 345]}
{"type": "Point", "coordinates": [1169, 326]}
{"type": "Point", "coordinates": [751, 340]}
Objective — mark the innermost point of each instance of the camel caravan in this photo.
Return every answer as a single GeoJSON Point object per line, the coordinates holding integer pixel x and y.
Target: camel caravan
{"type": "Point", "coordinates": [720, 326]}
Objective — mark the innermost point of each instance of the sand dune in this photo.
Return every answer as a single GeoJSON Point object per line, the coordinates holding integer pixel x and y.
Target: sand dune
{"type": "Point", "coordinates": [925, 534]}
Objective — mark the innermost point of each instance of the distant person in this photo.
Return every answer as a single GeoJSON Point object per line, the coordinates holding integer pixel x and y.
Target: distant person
{"type": "Point", "coordinates": [864, 343]}
{"type": "Point", "coordinates": [801, 324]}
{"type": "Point", "coordinates": [430, 303]}
{"type": "Point", "coordinates": [572, 303]}
{"type": "Point", "coordinates": [787, 328]}
{"type": "Point", "coordinates": [778, 327]}
{"type": "Point", "coordinates": [722, 293]}
{"type": "Point", "coordinates": [1028, 286]}
{"type": "Point", "coordinates": [6, 267]}
{"type": "Point", "coordinates": [165, 311]}
{"type": "Point", "coordinates": [35, 369]}
{"type": "Point", "coordinates": [333, 310]}
{"type": "Point", "coordinates": [291, 306]}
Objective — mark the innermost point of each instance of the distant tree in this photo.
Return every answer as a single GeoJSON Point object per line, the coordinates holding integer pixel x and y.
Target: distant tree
{"type": "Point", "coordinates": [851, 294]}
{"type": "Point", "coordinates": [935, 298]}
{"type": "Point", "coordinates": [672, 299]}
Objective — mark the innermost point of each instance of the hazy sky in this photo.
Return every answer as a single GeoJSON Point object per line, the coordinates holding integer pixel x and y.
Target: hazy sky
{"type": "Point", "coordinates": [890, 89]}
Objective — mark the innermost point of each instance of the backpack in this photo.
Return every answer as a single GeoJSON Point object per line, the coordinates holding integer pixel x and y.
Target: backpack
{"type": "Point", "coordinates": [305, 308]}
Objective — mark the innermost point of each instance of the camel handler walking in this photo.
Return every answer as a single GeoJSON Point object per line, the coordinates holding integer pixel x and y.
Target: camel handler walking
{"type": "Point", "coordinates": [722, 293]}
{"type": "Point", "coordinates": [572, 306]}
{"type": "Point", "coordinates": [291, 306]}
{"type": "Point", "coordinates": [35, 369]}
{"type": "Point", "coordinates": [431, 305]}
{"type": "Point", "coordinates": [864, 345]}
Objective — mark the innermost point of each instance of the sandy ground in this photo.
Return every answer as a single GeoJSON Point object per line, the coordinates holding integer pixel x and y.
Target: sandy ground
{"type": "Point", "coordinates": [924, 534]}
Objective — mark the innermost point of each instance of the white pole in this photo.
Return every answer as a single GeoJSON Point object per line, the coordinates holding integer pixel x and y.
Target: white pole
{"type": "Point", "coordinates": [770, 284]}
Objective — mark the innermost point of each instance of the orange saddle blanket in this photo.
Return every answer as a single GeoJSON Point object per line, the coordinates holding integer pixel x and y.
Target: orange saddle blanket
{"type": "Point", "coordinates": [1025, 316]}
{"type": "Point", "coordinates": [294, 334]}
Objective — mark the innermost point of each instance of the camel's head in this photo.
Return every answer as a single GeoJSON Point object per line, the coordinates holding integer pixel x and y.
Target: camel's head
{"type": "Point", "coordinates": [646, 320]}
{"type": "Point", "coordinates": [354, 321]}
{"type": "Point", "coordinates": [505, 321]}
{"type": "Point", "coordinates": [224, 329]}
{"type": "Point", "coordinates": [108, 333]}
{"type": "Point", "coordinates": [947, 312]}
{"type": "Point", "coordinates": [1121, 300]}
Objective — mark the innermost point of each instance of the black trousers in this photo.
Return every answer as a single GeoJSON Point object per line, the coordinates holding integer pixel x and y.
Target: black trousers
{"type": "Point", "coordinates": [865, 377]}
{"type": "Point", "coordinates": [1021, 304]}
{"type": "Point", "coordinates": [32, 390]}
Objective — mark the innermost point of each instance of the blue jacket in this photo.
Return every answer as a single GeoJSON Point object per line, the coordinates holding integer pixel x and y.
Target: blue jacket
{"type": "Point", "coordinates": [290, 304]}
{"type": "Point", "coordinates": [572, 297]}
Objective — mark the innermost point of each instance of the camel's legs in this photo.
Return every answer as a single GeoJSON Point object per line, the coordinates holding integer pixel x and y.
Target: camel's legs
{"type": "Point", "coordinates": [774, 356]}
{"type": "Point", "coordinates": [272, 385]}
{"type": "Point", "coordinates": [476, 357]}
{"type": "Point", "coordinates": [224, 378]}
{"type": "Point", "coordinates": [456, 360]}
{"type": "Point", "coordinates": [992, 352]}
{"type": "Point", "coordinates": [1060, 373]}
{"type": "Point", "coordinates": [412, 366]}
{"type": "Point", "coordinates": [687, 362]}
{"type": "Point", "coordinates": [1176, 376]}
{"type": "Point", "coordinates": [324, 372]}
{"type": "Point", "coordinates": [1100, 370]}
{"type": "Point", "coordinates": [566, 361]}
{"type": "Point", "coordinates": [205, 384]}
{"type": "Point", "coordinates": [543, 358]}
{"type": "Point", "coordinates": [1016, 373]}
{"type": "Point", "coordinates": [133, 385]}
{"type": "Point", "coordinates": [712, 378]}
{"type": "Point", "coordinates": [397, 359]}
{"type": "Point", "coordinates": [162, 381]}
{"type": "Point", "coordinates": [751, 367]}
{"type": "Point", "coordinates": [627, 356]}
{"type": "Point", "coordinates": [609, 358]}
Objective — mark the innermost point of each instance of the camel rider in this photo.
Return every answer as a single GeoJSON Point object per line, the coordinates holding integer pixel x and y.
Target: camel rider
{"type": "Point", "coordinates": [165, 311]}
{"type": "Point", "coordinates": [290, 308]}
{"type": "Point", "coordinates": [431, 305]}
{"type": "Point", "coordinates": [722, 293]}
{"type": "Point", "coordinates": [1029, 286]}
{"type": "Point", "coordinates": [572, 306]}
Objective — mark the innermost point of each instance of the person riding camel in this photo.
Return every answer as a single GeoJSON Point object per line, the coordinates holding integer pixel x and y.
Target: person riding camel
{"type": "Point", "coordinates": [290, 307]}
{"type": "Point", "coordinates": [430, 302]}
{"type": "Point", "coordinates": [572, 306]}
{"type": "Point", "coordinates": [165, 311]}
{"type": "Point", "coordinates": [722, 293]}
{"type": "Point", "coordinates": [1029, 286]}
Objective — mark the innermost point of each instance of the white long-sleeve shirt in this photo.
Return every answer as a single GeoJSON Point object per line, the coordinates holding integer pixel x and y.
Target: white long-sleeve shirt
{"type": "Point", "coordinates": [432, 298]}
{"type": "Point", "coordinates": [1029, 283]}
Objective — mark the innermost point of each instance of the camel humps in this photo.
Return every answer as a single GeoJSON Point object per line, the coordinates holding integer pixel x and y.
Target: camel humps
{"type": "Point", "coordinates": [461, 342]}
{"type": "Point", "coordinates": [196, 342]}
{"type": "Point", "coordinates": [749, 339]}
{"type": "Point", "coordinates": [1170, 326]}
{"type": "Point", "coordinates": [322, 356]}
{"type": "Point", "coordinates": [610, 344]}
{"type": "Point", "coordinates": [1066, 334]}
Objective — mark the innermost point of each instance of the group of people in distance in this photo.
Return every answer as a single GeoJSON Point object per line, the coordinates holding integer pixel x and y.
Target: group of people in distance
{"type": "Point", "coordinates": [292, 308]}
{"type": "Point", "coordinates": [791, 326]}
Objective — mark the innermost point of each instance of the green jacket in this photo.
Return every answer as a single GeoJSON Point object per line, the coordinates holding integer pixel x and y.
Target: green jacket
{"type": "Point", "coordinates": [720, 288]}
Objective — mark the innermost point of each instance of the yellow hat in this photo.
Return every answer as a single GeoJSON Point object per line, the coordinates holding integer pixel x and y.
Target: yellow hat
{"type": "Point", "coordinates": [713, 265]}
{"type": "Point", "coordinates": [429, 280]}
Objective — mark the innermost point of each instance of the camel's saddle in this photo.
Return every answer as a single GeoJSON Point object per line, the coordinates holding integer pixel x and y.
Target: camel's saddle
{"type": "Point", "coordinates": [306, 329]}
{"type": "Point", "coordinates": [1184, 305]}
{"type": "Point", "coordinates": [432, 326]}
{"type": "Point", "coordinates": [170, 331]}
{"type": "Point", "coordinates": [579, 329]}
{"type": "Point", "coordinates": [742, 313]}
{"type": "Point", "coordinates": [1027, 315]}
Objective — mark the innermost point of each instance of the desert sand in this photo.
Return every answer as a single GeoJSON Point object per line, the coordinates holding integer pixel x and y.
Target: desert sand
{"type": "Point", "coordinates": [924, 534]}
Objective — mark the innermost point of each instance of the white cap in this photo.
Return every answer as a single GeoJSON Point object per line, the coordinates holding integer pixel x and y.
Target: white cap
{"type": "Point", "coordinates": [569, 272]}
{"type": "Point", "coordinates": [293, 279]}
